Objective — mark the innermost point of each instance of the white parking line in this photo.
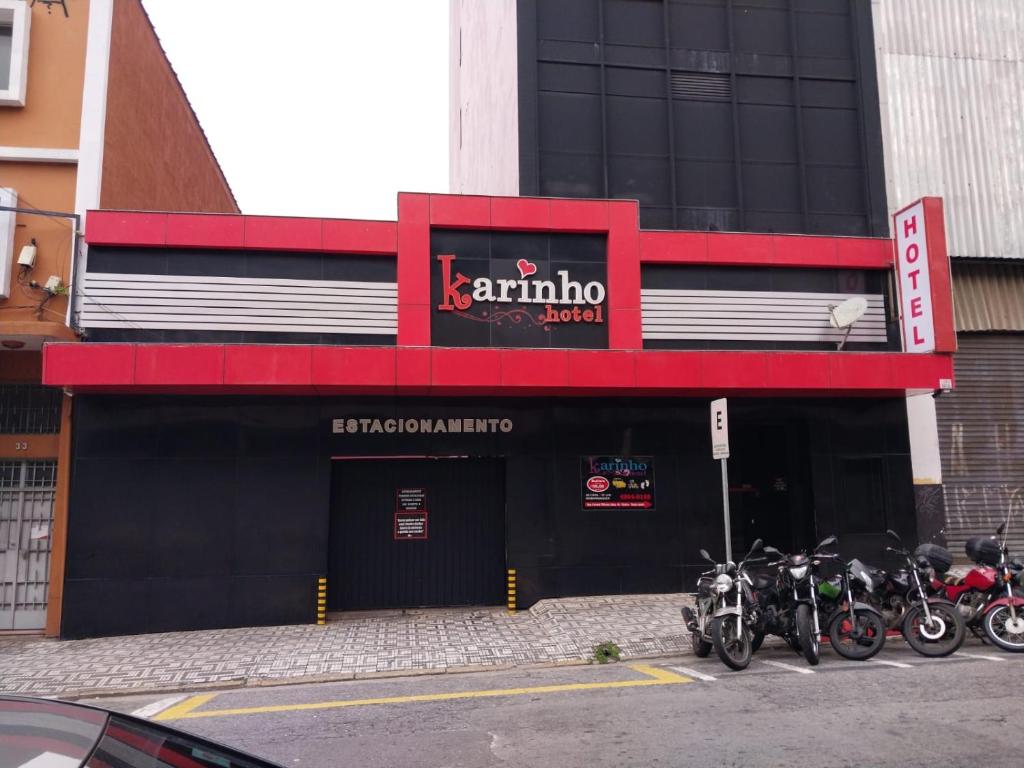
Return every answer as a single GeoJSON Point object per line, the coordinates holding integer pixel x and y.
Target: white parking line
{"type": "Point", "coordinates": [694, 673]}
{"type": "Point", "coordinates": [897, 664]}
{"type": "Point", "coordinates": [790, 667]}
{"type": "Point", "coordinates": [157, 707]}
{"type": "Point", "coordinates": [979, 656]}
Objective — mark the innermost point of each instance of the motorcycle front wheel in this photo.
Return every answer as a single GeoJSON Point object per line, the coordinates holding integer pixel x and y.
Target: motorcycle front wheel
{"type": "Point", "coordinates": [701, 647]}
{"type": "Point", "coordinates": [943, 637]}
{"type": "Point", "coordinates": [1005, 631]}
{"type": "Point", "coordinates": [731, 638]}
{"type": "Point", "coordinates": [860, 638]}
{"type": "Point", "coordinates": [810, 643]}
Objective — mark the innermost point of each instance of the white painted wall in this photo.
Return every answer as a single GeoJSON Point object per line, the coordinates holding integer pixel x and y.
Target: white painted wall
{"type": "Point", "coordinates": [93, 126]}
{"type": "Point", "coordinates": [484, 98]}
{"type": "Point", "coordinates": [925, 461]}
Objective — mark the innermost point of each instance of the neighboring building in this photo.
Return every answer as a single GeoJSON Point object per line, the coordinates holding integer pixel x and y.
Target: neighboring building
{"type": "Point", "coordinates": [91, 114]}
{"type": "Point", "coordinates": [951, 77]}
{"type": "Point", "coordinates": [490, 398]}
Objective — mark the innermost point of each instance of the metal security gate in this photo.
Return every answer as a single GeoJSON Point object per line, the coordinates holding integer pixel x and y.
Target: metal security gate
{"type": "Point", "coordinates": [416, 532]}
{"type": "Point", "coordinates": [27, 492]}
{"type": "Point", "coordinates": [981, 435]}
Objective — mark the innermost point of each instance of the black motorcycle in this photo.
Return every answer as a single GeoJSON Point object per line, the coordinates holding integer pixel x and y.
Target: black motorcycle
{"type": "Point", "coordinates": [723, 617]}
{"type": "Point", "coordinates": [932, 626]}
{"type": "Point", "coordinates": [789, 609]}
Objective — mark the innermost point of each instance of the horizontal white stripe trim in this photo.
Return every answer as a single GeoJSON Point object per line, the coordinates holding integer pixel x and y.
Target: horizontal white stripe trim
{"type": "Point", "coordinates": [215, 297]}
{"type": "Point", "coordinates": [712, 323]}
{"type": "Point", "coordinates": [239, 327]}
{"type": "Point", "coordinates": [128, 300]}
{"type": "Point", "coordinates": [778, 305]}
{"type": "Point", "coordinates": [38, 155]}
{"type": "Point", "coordinates": [93, 308]}
{"type": "Point", "coordinates": [697, 293]}
{"type": "Point", "coordinates": [89, 315]}
{"type": "Point", "coordinates": [755, 316]}
{"type": "Point", "coordinates": [157, 289]}
{"type": "Point", "coordinates": [116, 277]}
{"type": "Point", "coordinates": [743, 336]}
{"type": "Point", "coordinates": [776, 312]}
{"type": "Point", "coordinates": [169, 302]}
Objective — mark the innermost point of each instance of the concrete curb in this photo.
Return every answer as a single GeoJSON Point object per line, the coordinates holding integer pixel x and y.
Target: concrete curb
{"type": "Point", "coordinates": [338, 677]}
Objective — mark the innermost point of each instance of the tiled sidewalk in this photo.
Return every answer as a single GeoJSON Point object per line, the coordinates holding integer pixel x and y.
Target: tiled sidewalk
{"type": "Point", "coordinates": [439, 640]}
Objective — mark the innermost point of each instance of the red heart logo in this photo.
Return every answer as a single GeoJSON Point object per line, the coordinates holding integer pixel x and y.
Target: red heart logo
{"type": "Point", "coordinates": [526, 268]}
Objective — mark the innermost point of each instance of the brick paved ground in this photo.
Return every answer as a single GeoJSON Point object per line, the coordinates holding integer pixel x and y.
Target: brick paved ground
{"type": "Point", "coordinates": [428, 640]}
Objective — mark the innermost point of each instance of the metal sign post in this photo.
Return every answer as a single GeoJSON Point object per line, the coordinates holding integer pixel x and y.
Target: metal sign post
{"type": "Point", "coordinates": [720, 450]}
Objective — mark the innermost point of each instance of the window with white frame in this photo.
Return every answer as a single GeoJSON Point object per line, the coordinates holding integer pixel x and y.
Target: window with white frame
{"type": "Point", "coordinates": [8, 198]}
{"type": "Point", "coordinates": [15, 20]}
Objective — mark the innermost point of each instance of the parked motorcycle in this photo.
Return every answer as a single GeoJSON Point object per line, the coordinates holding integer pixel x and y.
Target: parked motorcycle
{"type": "Point", "coordinates": [856, 630]}
{"type": "Point", "coordinates": [789, 608]}
{"type": "Point", "coordinates": [722, 620]}
{"type": "Point", "coordinates": [985, 597]}
{"type": "Point", "coordinates": [931, 625]}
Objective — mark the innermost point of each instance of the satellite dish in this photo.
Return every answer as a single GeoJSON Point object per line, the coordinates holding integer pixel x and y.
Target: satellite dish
{"type": "Point", "coordinates": [849, 312]}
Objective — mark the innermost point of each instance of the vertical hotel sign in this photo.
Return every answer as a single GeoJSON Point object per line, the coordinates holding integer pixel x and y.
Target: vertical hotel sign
{"type": "Point", "coordinates": [915, 281]}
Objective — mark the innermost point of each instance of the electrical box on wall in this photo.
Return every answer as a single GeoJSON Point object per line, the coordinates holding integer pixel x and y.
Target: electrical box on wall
{"type": "Point", "coordinates": [9, 198]}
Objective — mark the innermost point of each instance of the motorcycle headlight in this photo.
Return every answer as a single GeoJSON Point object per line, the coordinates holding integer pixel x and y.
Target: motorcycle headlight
{"type": "Point", "coordinates": [798, 572]}
{"type": "Point", "coordinates": [723, 583]}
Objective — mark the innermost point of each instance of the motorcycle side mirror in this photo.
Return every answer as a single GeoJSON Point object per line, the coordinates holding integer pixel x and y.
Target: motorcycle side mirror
{"type": "Point", "coordinates": [772, 551]}
{"type": "Point", "coordinates": [826, 542]}
{"type": "Point", "coordinates": [706, 556]}
{"type": "Point", "coordinates": [893, 535]}
{"type": "Point", "coordinates": [1000, 529]}
{"type": "Point", "coordinates": [757, 546]}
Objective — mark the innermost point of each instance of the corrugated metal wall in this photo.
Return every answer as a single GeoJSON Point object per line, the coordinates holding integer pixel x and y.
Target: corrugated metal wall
{"type": "Point", "coordinates": [988, 296]}
{"type": "Point", "coordinates": [951, 80]}
{"type": "Point", "coordinates": [981, 434]}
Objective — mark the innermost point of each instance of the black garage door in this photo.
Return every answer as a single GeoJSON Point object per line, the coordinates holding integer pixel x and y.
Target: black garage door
{"type": "Point", "coordinates": [461, 560]}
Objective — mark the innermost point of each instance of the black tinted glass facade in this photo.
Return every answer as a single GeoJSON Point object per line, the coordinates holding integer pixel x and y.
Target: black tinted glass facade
{"type": "Point", "coordinates": [732, 115]}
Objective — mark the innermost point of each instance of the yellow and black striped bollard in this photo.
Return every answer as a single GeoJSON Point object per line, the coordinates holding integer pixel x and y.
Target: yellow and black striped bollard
{"type": "Point", "coordinates": [511, 590]}
{"type": "Point", "coordinates": [321, 600]}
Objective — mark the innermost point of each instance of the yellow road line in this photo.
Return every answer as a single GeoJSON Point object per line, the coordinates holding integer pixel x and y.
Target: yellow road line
{"type": "Point", "coordinates": [182, 708]}
{"type": "Point", "coordinates": [655, 676]}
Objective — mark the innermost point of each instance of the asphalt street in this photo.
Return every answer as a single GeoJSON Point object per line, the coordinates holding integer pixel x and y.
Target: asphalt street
{"type": "Point", "coordinates": [899, 710]}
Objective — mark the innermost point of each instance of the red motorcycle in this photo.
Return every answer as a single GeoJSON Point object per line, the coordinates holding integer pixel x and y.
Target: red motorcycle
{"type": "Point", "coordinates": [986, 596]}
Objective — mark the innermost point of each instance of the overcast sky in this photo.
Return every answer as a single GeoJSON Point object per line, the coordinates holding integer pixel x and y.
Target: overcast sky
{"type": "Point", "coordinates": [326, 110]}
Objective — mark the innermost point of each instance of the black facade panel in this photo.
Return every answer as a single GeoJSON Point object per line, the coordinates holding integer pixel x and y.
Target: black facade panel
{"type": "Point", "coordinates": [235, 532]}
{"type": "Point", "coordinates": [646, 99]}
{"type": "Point", "coordinates": [211, 263]}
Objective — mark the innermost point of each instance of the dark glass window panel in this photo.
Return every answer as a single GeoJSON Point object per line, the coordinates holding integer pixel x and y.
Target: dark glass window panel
{"type": "Point", "coordinates": [634, 22]}
{"type": "Point", "coordinates": [698, 25]}
{"type": "Point", "coordinates": [567, 19]}
{"type": "Point", "coordinates": [568, 78]}
{"type": "Point", "coordinates": [646, 179]}
{"type": "Point", "coordinates": [761, 30]}
{"type": "Point", "coordinates": [570, 123]}
{"type": "Point", "coordinates": [768, 133]}
{"type": "Point", "coordinates": [824, 34]}
{"type": "Point", "coordinates": [835, 190]}
{"type": "Point", "coordinates": [566, 175]}
{"type": "Point", "coordinates": [703, 130]}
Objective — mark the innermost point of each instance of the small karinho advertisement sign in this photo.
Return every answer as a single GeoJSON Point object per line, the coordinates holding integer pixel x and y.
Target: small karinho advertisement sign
{"type": "Point", "coordinates": [614, 482]}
